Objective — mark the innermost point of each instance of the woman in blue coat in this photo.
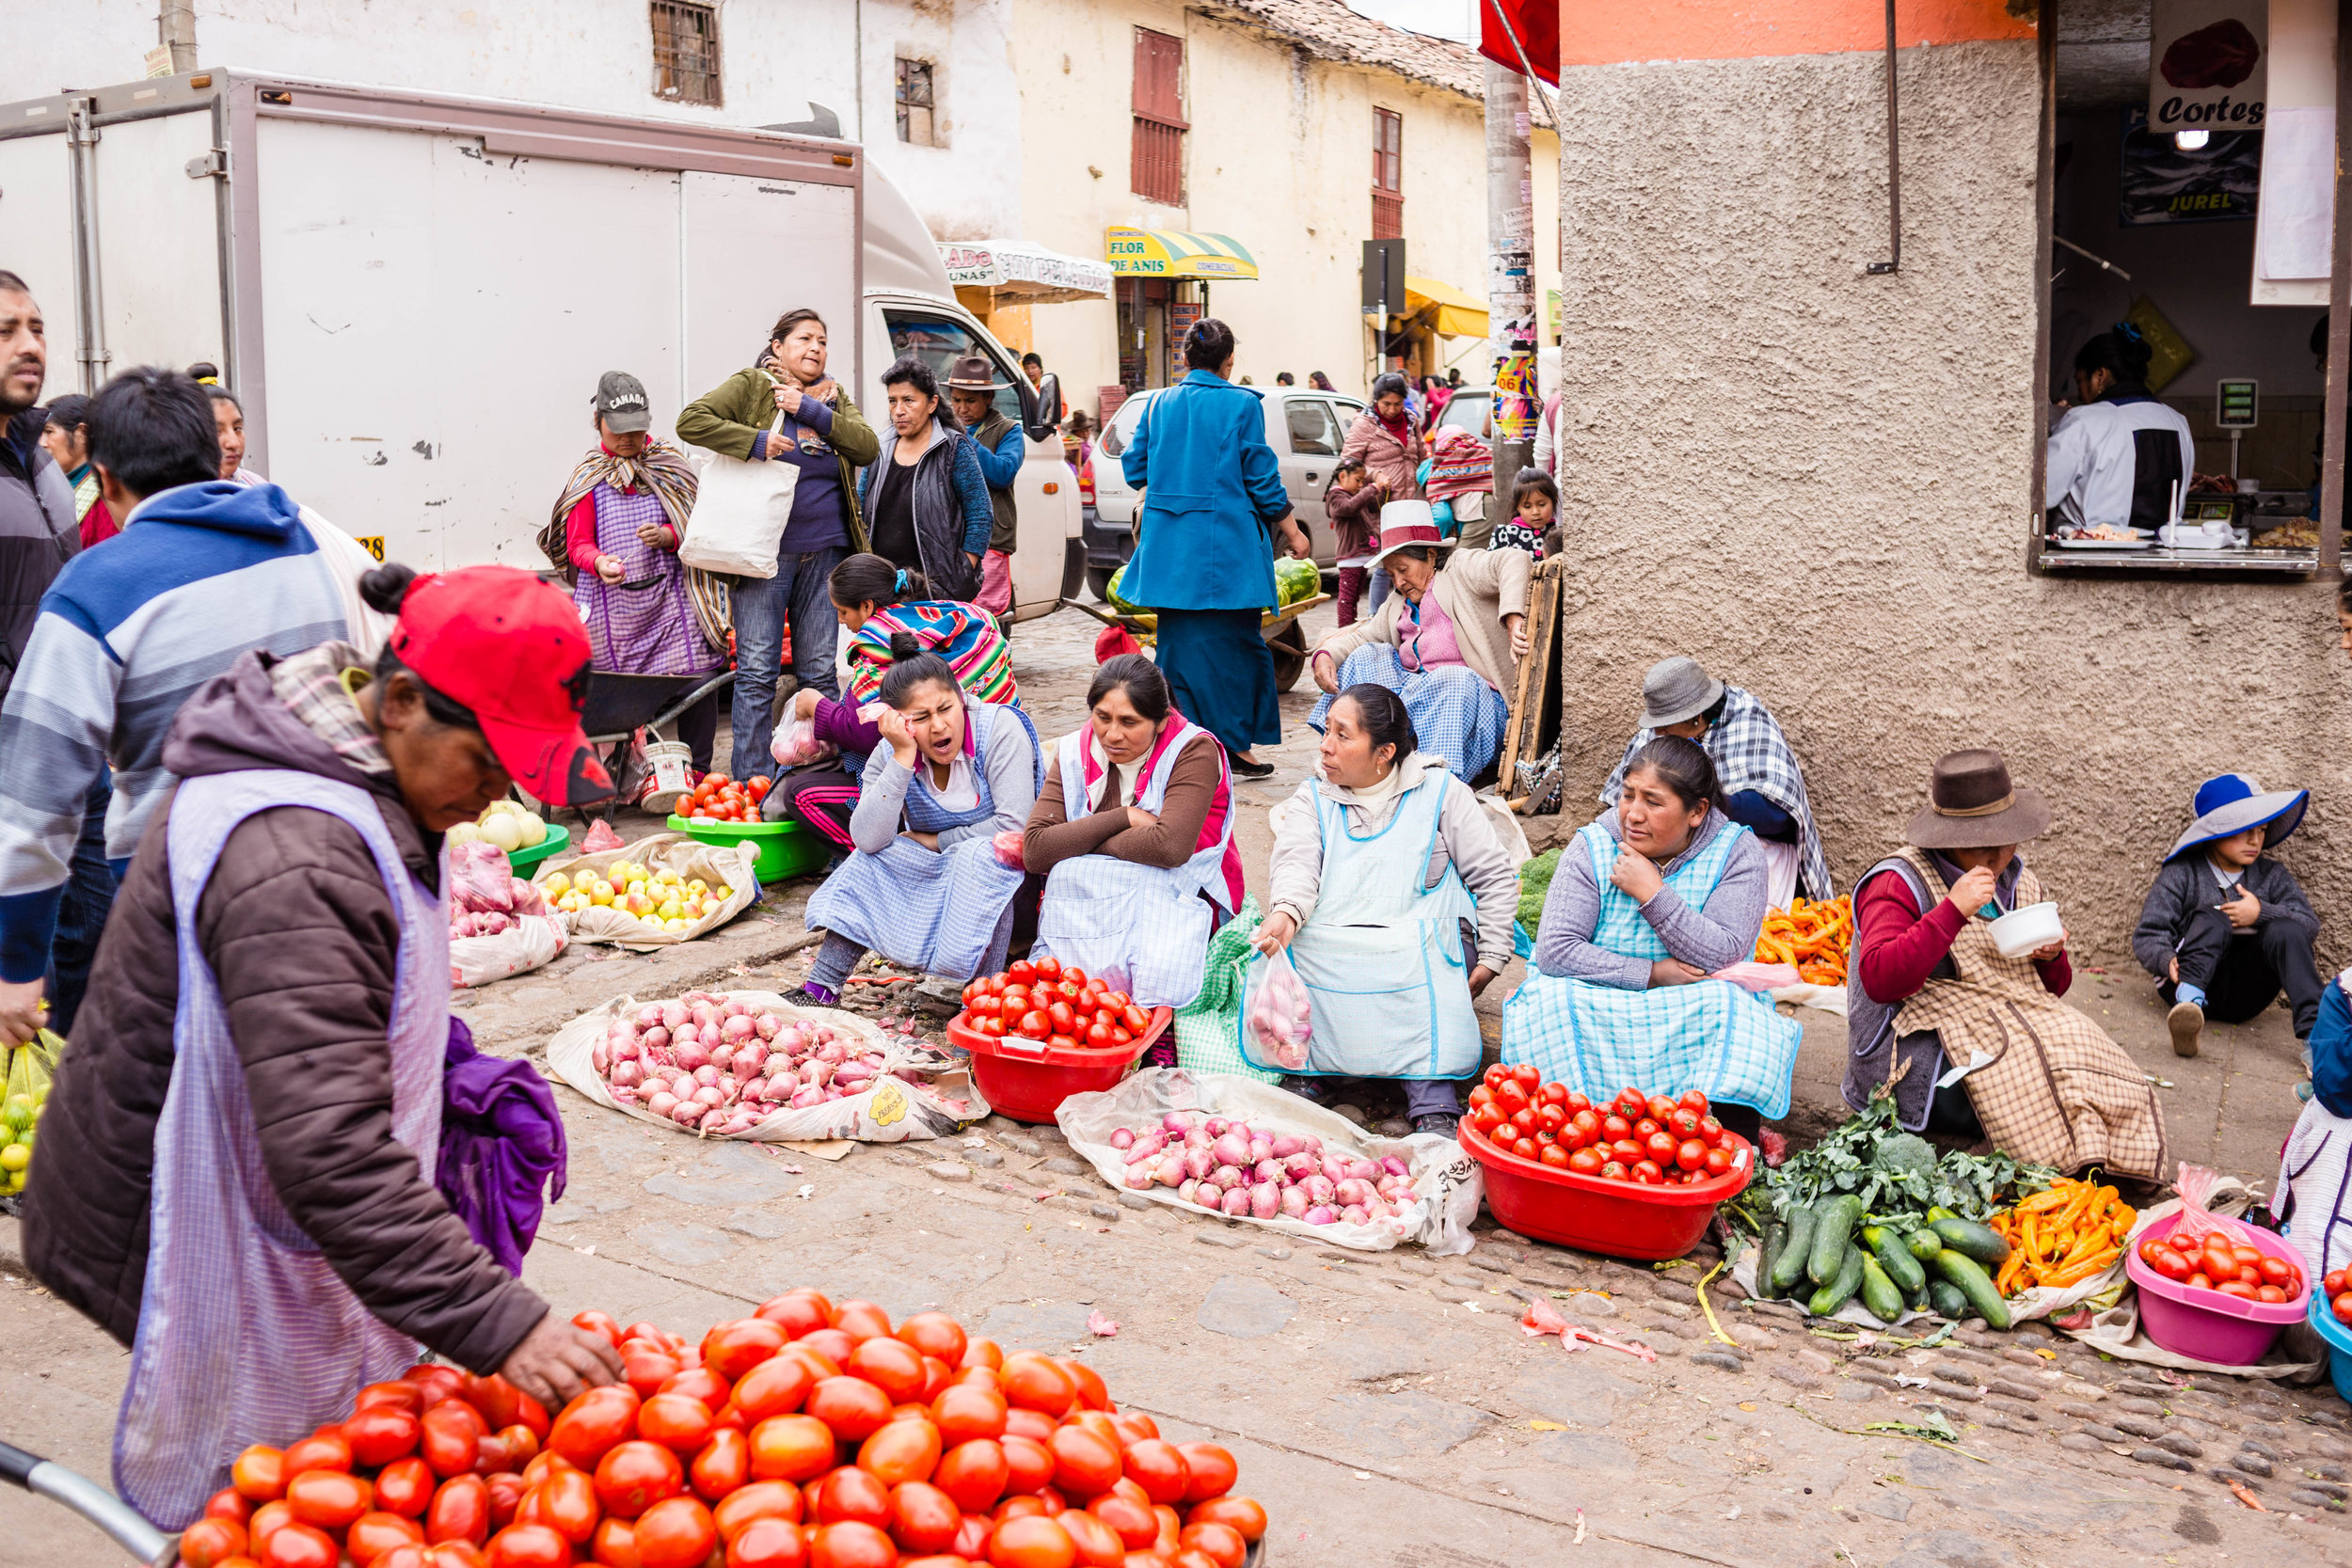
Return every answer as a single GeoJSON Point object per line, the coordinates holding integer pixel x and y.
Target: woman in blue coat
{"type": "Point", "coordinates": [1211, 495]}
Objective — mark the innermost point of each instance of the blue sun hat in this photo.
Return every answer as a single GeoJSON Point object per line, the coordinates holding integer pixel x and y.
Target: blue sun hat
{"type": "Point", "coordinates": [2229, 803]}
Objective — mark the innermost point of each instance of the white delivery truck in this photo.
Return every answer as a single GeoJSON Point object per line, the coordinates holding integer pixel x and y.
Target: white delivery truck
{"type": "Point", "coordinates": [414, 295]}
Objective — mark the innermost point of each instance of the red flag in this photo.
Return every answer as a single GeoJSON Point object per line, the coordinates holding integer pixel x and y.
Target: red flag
{"type": "Point", "coordinates": [1537, 25]}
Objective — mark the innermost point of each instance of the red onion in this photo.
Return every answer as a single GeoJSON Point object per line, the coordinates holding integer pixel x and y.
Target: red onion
{"type": "Point", "coordinates": [1170, 1171]}
{"type": "Point", "coordinates": [783, 1086]}
{"type": "Point", "coordinates": [1226, 1176]}
{"type": "Point", "coordinates": [807, 1095]}
{"type": "Point", "coordinates": [1334, 1168]}
{"type": "Point", "coordinates": [1270, 1170]}
{"type": "Point", "coordinates": [767, 1025]}
{"type": "Point", "coordinates": [1309, 1143]}
{"type": "Point", "coordinates": [1284, 1146]}
{"type": "Point", "coordinates": [1188, 1190]}
{"type": "Point", "coordinates": [1354, 1193]}
{"type": "Point", "coordinates": [627, 1075]}
{"type": "Point", "coordinates": [729, 1084]}
{"type": "Point", "coordinates": [690, 1113]}
{"type": "Point", "coordinates": [1123, 1138]}
{"type": "Point", "coordinates": [674, 1014]}
{"type": "Point", "coordinates": [601, 1057]}
{"type": "Point", "coordinates": [662, 1101]}
{"type": "Point", "coordinates": [1319, 1188]}
{"type": "Point", "coordinates": [723, 1055]}
{"type": "Point", "coordinates": [1299, 1167]}
{"type": "Point", "coordinates": [1294, 1202]}
{"type": "Point", "coordinates": [1208, 1194]}
{"type": "Point", "coordinates": [627, 1050]}
{"type": "Point", "coordinates": [1214, 1127]}
{"type": "Point", "coordinates": [704, 1014]}
{"type": "Point", "coordinates": [1232, 1149]}
{"type": "Point", "coordinates": [734, 1007]}
{"type": "Point", "coordinates": [754, 1088]}
{"type": "Point", "coordinates": [1265, 1201]}
{"type": "Point", "coordinates": [1235, 1202]}
{"type": "Point", "coordinates": [1175, 1123]}
{"type": "Point", "coordinates": [1395, 1166]}
{"type": "Point", "coordinates": [655, 1038]}
{"type": "Point", "coordinates": [709, 1095]}
{"type": "Point", "coordinates": [737, 1029]}
{"type": "Point", "coordinates": [1363, 1170]}
{"type": "Point", "coordinates": [1320, 1214]}
{"type": "Point", "coordinates": [1356, 1215]}
{"type": "Point", "coordinates": [1261, 1148]}
{"type": "Point", "coordinates": [1141, 1178]}
{"type": "Point", "coordinates": [1198, 1138]}
{"type": "Point", "coordinates": [693, 1056]}
{"type": "Point", "coordinates": [649, 1016]}
{"type": "Point", "coordinates": [623, 1094]}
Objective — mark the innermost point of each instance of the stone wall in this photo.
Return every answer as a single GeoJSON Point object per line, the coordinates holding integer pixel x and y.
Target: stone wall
{"type": "Point", "coordinates": [1819, 483]}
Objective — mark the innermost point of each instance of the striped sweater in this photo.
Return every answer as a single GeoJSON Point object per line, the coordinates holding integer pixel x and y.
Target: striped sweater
{"type": "Point", "coordinates": [201, 574]}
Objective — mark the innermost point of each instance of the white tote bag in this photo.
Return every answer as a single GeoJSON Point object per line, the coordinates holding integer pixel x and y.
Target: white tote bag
{"type": "Point", "coordinates": [740, 509]}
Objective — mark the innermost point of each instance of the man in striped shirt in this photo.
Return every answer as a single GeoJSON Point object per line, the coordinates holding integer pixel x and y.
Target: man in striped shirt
{"type": "Point", "coordinates": [204, 570]}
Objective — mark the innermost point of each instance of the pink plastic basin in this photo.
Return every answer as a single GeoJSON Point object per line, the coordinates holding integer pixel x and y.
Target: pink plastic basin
{"type": "Point", "coordinates": [2206, 1323]}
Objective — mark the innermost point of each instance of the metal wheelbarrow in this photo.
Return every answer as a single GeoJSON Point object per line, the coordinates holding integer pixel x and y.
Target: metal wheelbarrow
{"type": "Point", "coordinates": [618, 706]}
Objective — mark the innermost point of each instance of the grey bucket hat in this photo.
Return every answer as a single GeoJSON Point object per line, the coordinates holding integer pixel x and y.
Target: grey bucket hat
{"type": "Point", "coordinates": [1676, 689]}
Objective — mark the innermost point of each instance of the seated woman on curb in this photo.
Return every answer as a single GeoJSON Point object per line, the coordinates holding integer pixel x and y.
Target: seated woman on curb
{"type": "Point", "coordinates": [1659, 893]}
{"type": "Point", "coordinates": [1134, 835]}
{"type": "Point", "coordinates": [925, 888]}
{"type": "Point", "coordinates": [1395, 897]}
{"type": "Point", "coordinates": [1448, 641]}
{"type": "Point", "coordinates": [877, 602]}
{"type": "Point", "coordinates": [1932, 993]}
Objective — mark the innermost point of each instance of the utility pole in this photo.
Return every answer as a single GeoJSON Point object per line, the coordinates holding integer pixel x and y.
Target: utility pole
{"type": "Point", "coordinates": [1510, 277]}
{"type": "Point", "coordinates": [175, 32]}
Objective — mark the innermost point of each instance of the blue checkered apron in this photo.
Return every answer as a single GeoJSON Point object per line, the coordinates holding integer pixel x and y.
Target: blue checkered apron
{"type": "Point", "coordinates": [1381, 957]}
{"type": "Point", "coordinates": [246, 1334]}
{"type": "Point", "coordinates": [1712, 1037]}
{"type": "Point", "coordinates": [1456, 716]}
{"type": "Point", "coordinates": [1144, 926]}
{"type": "Point", "coordinates": [944, 913]}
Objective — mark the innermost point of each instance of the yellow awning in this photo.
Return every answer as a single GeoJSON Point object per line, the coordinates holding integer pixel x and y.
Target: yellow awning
{"type": "Point", "coordinates": [1172, 253]}
{"type": "Point", "coordinates": [1452, 314]}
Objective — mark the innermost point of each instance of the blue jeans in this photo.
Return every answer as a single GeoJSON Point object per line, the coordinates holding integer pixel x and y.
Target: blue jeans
{"type": "Point", "coordinates": [1381, 588]}
{"type": "Point", "coordinates": [799, 592]}
{"type": "Point", "coordinates": [90, 895]}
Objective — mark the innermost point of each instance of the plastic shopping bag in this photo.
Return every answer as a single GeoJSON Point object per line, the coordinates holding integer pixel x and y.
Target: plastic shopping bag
{"type": "Point", "coordinates": [1007, 846]}
{"type": "Point", "coordinates": [480, 880]}
{"type": "Point", "coordinates": [796, 745]}
{"type": "Point", "coordinates": [1280, 1019]}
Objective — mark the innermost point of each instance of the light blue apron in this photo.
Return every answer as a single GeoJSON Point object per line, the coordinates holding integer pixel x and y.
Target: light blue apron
{"type": "Point", "coordinates": [1145, 929]}
{"type": "Point", "coordinates": [944, 912]}
{"type": "Point", "coordinates": [245, 1333]}
{"type": "Point", "coordinates": [1713, 1037]}
{"type": "Point", "coordinates": [1381, 958]}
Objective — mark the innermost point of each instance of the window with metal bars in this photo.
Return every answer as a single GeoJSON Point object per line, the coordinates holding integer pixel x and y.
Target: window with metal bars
{"type": "Point", "coordinates": [917, 123]}
{"type": "Point", "coordinates": [1157, 162]}
{"type": "Point", "coordinates": [1387, 174]}
{"type": "Point", "coordinates": [686, 52]}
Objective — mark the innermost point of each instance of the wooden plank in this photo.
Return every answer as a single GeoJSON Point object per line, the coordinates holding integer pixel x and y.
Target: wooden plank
{"type": "Point", "coordinates": [1523, 739]}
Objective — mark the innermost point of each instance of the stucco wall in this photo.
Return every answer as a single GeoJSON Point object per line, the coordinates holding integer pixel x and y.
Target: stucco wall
{"type": "Point", "coordinates": [1280, 157]}
{"type": "Point", "coordinates": [777, 57]}
{"type": "Point", "coordinates": [1817, 483]}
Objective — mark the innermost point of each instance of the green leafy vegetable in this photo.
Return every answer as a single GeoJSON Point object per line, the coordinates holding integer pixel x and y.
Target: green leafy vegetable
{"type": "Point", "coordinates": [1873, 1158]}
{"type": "Point", "coordinates": [1534, 884]}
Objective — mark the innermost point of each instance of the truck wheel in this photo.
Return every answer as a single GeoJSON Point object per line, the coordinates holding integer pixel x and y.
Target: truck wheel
{"type": "Point", "coordinates": [1289, 646]}
{"type": "Point", "coordinates": [1098, 581]}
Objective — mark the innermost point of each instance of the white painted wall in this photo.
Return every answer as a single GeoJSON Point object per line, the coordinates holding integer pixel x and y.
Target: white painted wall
{"type": "Point", "coordinates": [777, 57]}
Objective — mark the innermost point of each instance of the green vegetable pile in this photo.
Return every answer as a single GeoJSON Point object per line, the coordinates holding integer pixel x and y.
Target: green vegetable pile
{"type": "Point", "coordinates": [1534, 886]}
{"type": "Point", "coordinates": [1873, 1212]}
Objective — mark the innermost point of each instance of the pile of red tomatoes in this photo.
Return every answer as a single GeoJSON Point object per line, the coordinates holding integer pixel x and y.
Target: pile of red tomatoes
{"type": "Point", "coordinates": [721, 799]}
{"type": "Point", "coordinates": [2215, 1261]}
{"type": "Point", "coordinates": [1064, 1006]}
{"type": "Point", "coordinates": [2338, 1284]}
{"type": "Point", "coordinates": [809, 1436]}
{"type": "Point", "coordinates": [1639, 1137]}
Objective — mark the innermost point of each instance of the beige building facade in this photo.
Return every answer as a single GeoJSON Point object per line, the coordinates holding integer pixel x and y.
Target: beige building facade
{"type": "Point", "coordinates": [1824, 482]}
{"type": "Point", "coordinates": [1282, 104]}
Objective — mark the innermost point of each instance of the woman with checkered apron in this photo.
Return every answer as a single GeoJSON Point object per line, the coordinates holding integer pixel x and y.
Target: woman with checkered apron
{"type": "Point", "coordinates": [1660, 892]}
{"type": "Point", "coordinates": [1393, 897]}
{"type": "Point", "coordinates": [1134, 835]}
{"type": "Point", "coordinates": [926, 887]}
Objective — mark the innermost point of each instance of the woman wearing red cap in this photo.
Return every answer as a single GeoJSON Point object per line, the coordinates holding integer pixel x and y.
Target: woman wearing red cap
{"type": "Point", "coordinates": [240, 1156]}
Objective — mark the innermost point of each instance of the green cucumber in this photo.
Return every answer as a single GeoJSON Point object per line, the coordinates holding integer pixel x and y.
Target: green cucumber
{"type": "Point", "coordinates": [1879, 1294]}
{"type": "Point", "coordinates": [1980, 1242]}
{"type": "Point", "coordinates": [1945, 1298]}
{"type": "Point", "coordinates": [1975, 1284]}
{"type": "Point", "coordinates": [1940, 1214]}
{"type": "Point", "coordinates": [1794, 1249]}
{"type": "Point", "coordinates": [1924, 1245]}
{"type": "Point", "coordinates": [1896, 1259]}
{"type": "Point", "coordinates": [1832, 1233]}
{"type": "Point", "coordinates": [1768, 1250]}
{"type": "Point", "coordinates": [1841, 1287]}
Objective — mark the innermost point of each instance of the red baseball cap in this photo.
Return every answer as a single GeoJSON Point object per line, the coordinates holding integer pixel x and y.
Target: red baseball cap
{"type": "Point", "coordinates": [509, 647]}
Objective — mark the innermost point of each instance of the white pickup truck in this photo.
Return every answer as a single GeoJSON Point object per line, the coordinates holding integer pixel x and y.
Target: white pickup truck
{"type": "Point", "coordinates": [414, 294]}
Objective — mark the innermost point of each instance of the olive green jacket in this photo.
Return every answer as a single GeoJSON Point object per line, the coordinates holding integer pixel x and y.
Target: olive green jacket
{"type": "Point", "coordinates": [726, 419]}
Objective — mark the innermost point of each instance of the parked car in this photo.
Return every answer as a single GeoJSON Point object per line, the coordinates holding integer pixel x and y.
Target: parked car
{"type": "Point", "coordinates": [1305, 427]}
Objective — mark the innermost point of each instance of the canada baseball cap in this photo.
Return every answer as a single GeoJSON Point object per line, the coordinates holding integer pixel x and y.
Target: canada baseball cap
{"type": "Point", "coordinates": [621, 404]}
{"type": "Point", "coordinates": [509, 647]}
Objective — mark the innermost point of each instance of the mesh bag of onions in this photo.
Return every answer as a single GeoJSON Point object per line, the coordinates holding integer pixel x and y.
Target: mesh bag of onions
{"type": "Point", "coordinates": [1246, 1150]}
{"type": "Point", "coordinates": [748, 1064]}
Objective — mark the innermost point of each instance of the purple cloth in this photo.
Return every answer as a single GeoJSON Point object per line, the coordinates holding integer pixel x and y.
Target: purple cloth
{"type": "Point", "coordinates": [643, 624]}
{"type": "Point", "coordinates": [501, 1140]}
{"type": "Point", "coordinates": [837, 722]}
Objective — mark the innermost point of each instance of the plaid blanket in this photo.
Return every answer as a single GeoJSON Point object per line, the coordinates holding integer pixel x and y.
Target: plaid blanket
{"type": "Point", "coordinates": [1749, 753]}
{"type": "Point", "coordinates": [2056, 1090]}
{"type": "Point", "coordinates": [662, 470]}
{"type": "Point", "coordinates": [965, 635]}
{"type": "Point", "coordinates": [1208, 1027]}
{"type": "Point", "coordinates": [1460, 465]}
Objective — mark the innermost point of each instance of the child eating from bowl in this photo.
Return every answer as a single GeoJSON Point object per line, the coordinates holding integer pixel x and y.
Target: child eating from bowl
{"type": "Point", "coordinates": [2225, 928]}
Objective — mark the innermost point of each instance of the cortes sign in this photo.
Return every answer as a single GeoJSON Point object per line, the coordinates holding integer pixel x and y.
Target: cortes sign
{"type": "Point", "coordinates": [2208, 65]}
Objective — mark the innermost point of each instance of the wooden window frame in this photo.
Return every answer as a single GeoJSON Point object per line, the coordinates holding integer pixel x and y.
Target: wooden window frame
{"type": "Point", "coordinates": [1387, 174]}
{"type": "Point", "coordinates": [670, 78]}
{"type": "Point", "coordinates": [902, 104]}
{"type": "Point", "coordinates": [1155, 165]}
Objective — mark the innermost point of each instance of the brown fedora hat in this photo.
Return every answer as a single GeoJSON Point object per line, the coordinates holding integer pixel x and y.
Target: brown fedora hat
{"type": "Point", "coordinates": [971, 374]}
{"type": "Point", "coordinates": [1972, 805]}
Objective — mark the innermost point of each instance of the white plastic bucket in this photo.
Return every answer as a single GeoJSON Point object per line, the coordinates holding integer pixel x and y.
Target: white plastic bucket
{"type": "Point", "coordinates": [668, 761]}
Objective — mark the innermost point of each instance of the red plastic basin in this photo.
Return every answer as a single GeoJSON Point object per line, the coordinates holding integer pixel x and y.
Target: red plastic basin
{"type": "Point", "coordinates": [1621, 1219]}
{"type": "Point", "coordinates": [2206, 1323]}
{"type": "Point", "coordinates": [1027, 1080]}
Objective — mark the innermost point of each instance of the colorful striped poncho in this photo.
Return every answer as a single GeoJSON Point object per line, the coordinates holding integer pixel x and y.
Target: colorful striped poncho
{"type": "Point", "coordinates": [962, 634]}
